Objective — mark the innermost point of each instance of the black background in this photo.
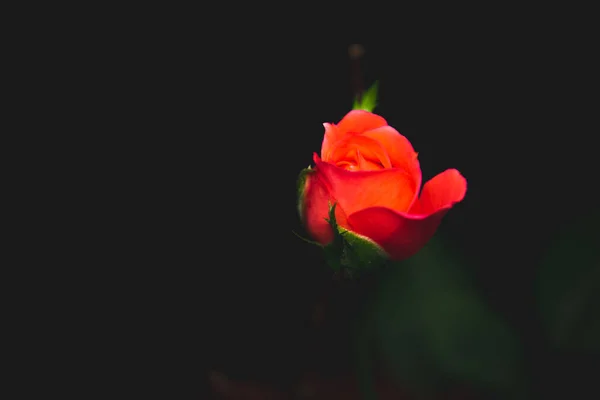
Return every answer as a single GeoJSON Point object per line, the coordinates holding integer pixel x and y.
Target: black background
{"type": "Point", "coordinates": [225, 128]}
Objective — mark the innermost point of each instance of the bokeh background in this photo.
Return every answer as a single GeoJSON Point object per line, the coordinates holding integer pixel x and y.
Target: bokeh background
{"type": "Point", "coordinates": [503, 303]}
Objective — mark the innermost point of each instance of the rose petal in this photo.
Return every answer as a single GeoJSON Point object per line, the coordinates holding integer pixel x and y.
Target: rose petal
{"type": "Point", "coordinates": [332, 136]}
{"type": "Point", "coordinates": [356, 121]}
{"type": "Point", "coordinates": [370, 149]}
{"type": "Point", "coordinates": [398, 148]}
{"type": "Point", "coordinates": [442, 191]}
{"type": "Point", "coordinates": [315, 210]}
{"type": "Point", "coordinates": [403, 234]}
{"type": "Point", "coordinates": [359, 121]}
{"type": "Point", "coordinates": [366, 164]}
{"type": "Point", "coordinates": [356, 190]}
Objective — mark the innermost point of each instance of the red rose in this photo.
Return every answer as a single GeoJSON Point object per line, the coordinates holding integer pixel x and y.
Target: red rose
{"type": "Point", "coordinates": [372, 172]}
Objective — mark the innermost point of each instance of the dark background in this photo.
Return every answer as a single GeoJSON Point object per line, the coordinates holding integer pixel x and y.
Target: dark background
{"type": "Point", "coordinates": [228, 127]}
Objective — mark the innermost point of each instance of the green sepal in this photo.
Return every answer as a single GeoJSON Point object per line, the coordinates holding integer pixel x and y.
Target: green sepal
{"type": "Point", "coordinates": [301, 186]}
{"type": "Point", "coordinates": [350, 252]}
{"type": "Point", "coordinates": [368, 100]}
{"type": "Point", "coordinates": [307, 240]}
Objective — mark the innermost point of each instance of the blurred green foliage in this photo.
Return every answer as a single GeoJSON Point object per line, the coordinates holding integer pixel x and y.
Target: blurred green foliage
{"type": "Point", "coordinates": [568, 287]}
{"type": "Point", "coordinates": [432, 329]}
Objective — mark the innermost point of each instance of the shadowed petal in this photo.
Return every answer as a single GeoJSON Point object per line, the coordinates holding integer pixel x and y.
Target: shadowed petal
{"type": "Point", "coordinates": [315, 209]}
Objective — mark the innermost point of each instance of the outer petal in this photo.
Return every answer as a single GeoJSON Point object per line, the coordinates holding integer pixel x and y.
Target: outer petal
{"type": "Point", "coordinates": [400, 234]}
{"type": "Point", "coordinates": [315, 209]}
{"type": "Point", "coordinates": [399, 149]}
{"type": "Point", "coordinates": [403, 234]}
{"type": "Point", "coordinates": [442, 191]}
{"type": "Point", "coordinates": [359, 121]}
{"type": "Point", "coordinates": [356, 190]}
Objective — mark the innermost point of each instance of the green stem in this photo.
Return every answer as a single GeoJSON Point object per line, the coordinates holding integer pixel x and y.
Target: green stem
{"type": "Point", "coordinates": [363, 343]}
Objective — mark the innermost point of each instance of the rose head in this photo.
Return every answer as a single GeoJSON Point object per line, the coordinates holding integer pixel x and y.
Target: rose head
{"type": "Point", "coordinates": [372, 174]}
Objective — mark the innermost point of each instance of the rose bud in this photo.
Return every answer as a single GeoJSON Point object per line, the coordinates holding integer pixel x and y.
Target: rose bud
{"type": "Point", "coordinates": [371, 173]}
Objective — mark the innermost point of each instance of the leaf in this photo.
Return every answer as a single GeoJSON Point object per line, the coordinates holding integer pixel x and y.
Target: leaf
{"type": "Point", "coordinates": [368, 100]}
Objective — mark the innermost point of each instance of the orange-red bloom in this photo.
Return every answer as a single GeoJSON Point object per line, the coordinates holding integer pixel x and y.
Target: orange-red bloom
{"type": "Point", "coordinates": [372, 172]}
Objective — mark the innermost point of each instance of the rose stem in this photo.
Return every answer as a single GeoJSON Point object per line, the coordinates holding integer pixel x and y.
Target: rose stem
{"type": "Point", "coordinates": [356, 51]}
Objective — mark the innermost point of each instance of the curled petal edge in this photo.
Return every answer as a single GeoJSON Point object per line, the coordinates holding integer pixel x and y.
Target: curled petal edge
{"type": "Point", "coordinates": [402, 234]}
